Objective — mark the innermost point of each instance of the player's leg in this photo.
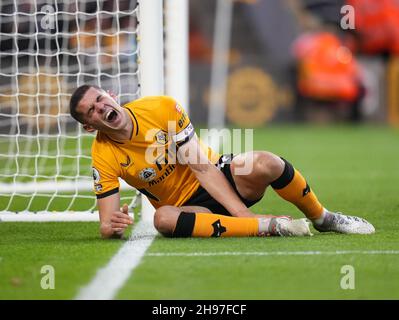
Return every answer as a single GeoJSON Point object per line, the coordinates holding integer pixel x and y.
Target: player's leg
{"type": "Point", "coordinates": [254, 171]}
{"type": "Point", "coordinates": [268, 169]}
{"type": "Point", "coordinates": [166, 217]}
{"type": "Point", "coordinates": [195, 221]}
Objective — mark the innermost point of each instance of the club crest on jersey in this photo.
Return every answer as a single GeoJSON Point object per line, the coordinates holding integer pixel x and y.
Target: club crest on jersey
{"type": "Point", "coordinates": [96, 175]}
{"type": "Point", "coordinates": [161, 137]}
{"type": "Point", "coordinates": [147, 174]}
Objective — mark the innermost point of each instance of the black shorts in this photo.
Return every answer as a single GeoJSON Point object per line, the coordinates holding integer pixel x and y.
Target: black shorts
{"type": "Point", "coordinates": [202, 198]}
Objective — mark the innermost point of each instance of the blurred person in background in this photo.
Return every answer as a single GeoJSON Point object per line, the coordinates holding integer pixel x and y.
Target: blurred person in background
{"type": "Point", "coordinates": [329, 80]}
{"type": "Point", "coordinates": [377, 26]}
{"type": "Point", "coordinates": [328, 73]}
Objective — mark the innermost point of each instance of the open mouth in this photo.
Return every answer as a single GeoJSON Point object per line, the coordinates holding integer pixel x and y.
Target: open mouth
{"type": "Point", "coordinates": [111, 116]}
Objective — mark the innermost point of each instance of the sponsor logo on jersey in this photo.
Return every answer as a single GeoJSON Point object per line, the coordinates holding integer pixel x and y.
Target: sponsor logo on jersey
{"type": "Point", "coordinates": [96, 175]}
{"type": "Point", "coordinates": [127, 163]}
{"type": "Point", "coordinates": [168, 170]}
{"type": "Point", "coordinates": [161, 137]}
{"type": "Point", "coordinates": [147, 174]}
{"type": "Point", "coordinates": [98, 187]}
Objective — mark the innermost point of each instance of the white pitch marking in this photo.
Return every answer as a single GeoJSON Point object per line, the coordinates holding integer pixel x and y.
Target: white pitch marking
{"type": "Point", "coordinates": [270, 253]}
{"type": "Point", "coordinates": [109, 279]}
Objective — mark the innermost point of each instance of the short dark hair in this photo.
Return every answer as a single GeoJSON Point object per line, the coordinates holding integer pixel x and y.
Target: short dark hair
{"type": "Point", "coordinates": [77, 95]}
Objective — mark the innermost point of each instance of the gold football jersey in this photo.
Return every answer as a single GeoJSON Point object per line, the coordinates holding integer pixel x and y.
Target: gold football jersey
{"type": "Point", "coordinates": [148, 162]}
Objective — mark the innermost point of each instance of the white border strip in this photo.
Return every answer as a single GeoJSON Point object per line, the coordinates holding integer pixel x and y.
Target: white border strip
{"type": "Point", "coordinates": [270, 253]}
{"type": "Point", "coordinates": [45, 216]}
{"type": "Point", "coordinates": [108, 280]}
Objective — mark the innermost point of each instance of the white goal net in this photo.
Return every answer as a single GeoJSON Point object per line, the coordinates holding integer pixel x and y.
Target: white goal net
{"type": "Point", "coordinates": [47, 49]}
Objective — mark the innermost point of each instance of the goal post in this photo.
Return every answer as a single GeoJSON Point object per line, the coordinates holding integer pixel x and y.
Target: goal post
{"type": "Point", "coordinates": [176, 51]}
{"type": "Point", "coordinates": [151, 62]}
{"type": "Point", "coordinates": [48, 48]}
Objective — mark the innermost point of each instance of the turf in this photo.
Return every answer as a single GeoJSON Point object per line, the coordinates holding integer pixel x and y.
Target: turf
{"type": "Point", "coordinates": [351, 169]}
{"type": "Point", "coordinates": [73, 249]}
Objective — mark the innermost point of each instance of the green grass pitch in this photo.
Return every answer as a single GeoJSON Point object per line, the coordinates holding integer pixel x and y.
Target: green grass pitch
{"type": "Point", "coordinates": [352, 169]}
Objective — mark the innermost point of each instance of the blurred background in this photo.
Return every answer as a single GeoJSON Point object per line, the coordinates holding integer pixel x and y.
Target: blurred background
{"type": "Point", "coordinates": [317, 61]}
{"type": "Point", "coordinates": [300, 60]}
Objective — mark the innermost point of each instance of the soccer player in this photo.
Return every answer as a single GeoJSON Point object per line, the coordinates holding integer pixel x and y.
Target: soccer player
{"type": "Point", "coordinates": [151, 144]}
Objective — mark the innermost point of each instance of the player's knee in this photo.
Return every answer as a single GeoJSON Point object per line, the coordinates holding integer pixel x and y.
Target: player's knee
{"type": "Point", "coordinates": [269, 164]}
{"type": "Point", "coordinates": [164, 219]}
{"type": "Point", "coordinates": [160, 218]}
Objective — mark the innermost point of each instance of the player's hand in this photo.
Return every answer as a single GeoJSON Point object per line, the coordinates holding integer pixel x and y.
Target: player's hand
{"type": "Point", "coordinates": [120, 220]}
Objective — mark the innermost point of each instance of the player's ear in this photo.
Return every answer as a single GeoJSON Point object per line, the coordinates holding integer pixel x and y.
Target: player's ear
{"type": "Point", "coordinates": [88, 128]}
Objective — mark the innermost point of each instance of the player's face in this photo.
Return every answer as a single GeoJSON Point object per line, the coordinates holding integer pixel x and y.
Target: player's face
{"type": "Point", "coordinates": [101, 112]}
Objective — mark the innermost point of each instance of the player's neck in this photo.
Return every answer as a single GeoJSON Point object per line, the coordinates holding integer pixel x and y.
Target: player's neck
{"type": "Point", "coordinates": [124, 134]}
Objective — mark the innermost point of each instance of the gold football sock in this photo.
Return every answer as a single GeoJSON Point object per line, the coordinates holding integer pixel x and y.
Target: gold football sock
{"type": "Point", "coordinates": [292, 186]}
{"type": "Point", "coordinates": [190, 224]}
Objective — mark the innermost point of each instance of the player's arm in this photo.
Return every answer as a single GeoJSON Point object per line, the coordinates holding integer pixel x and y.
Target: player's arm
{"type": "Point", "coordinates": [211, 179]}
{"type": "Point", "coordinates": [113, 220]}
{"type": "Point", "coordinates": [189, 152]}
